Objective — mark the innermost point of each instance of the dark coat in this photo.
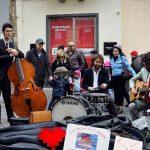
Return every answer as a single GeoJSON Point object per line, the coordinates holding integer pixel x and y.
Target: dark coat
{"type": "Point", "coordinates": [41, 64]}
{"type": "Point", "coordinates": [103, 77]}
{"type": "Point", "coordinates": [77, 60]}
{"type": "Point", "coordinates": [60, 87]}
{"type": "Point", "coordinates": [57, 64]}
{"type": "Point", "coordinates": [5, 59]}
{"type": "Point", "coordinates": [137, 64]}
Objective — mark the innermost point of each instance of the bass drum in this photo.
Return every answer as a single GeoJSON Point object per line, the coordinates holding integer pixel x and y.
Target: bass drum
{"type": "Point", "coordinates": [70, 107]}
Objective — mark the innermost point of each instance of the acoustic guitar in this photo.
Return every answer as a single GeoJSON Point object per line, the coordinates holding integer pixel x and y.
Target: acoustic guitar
{"type": "Point", "coordinates": [142, 91]}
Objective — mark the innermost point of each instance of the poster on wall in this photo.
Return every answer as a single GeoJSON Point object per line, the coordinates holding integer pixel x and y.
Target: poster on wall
{"type": "Point", "coordinates": [84, 29]}
{"type": "Point", "coordinates": [84, 33]}
{"type": "Point", "coordinates": [60, 33]}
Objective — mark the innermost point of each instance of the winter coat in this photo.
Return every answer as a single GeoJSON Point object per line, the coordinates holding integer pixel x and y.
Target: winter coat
{"type": "Point", "coordinates": [41, 64]}
{"type": "Point", "coordinates": [57, 64]}
{"type": "Point", "coordinates": [5, 58]}
{"type": "Point", "coordinates": [60, 87]}
{"type": "Point", "coordinates": [88, 78]}
{"type": "Point", "coordinates": [77, 60]}
{"type": "Point", "coordinates": [137, 64]}
{"type": "Point", "coordinates": [119, 65]}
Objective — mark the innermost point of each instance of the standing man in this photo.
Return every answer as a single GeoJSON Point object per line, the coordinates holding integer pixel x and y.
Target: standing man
{"type": "Point", "coordinates": [7, 55]}
{"type": "Point", "coordinates": [39, 58]}
{"type": "Point", "coordinates": [76, 57]}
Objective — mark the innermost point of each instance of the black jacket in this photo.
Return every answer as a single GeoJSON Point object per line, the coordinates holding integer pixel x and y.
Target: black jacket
{"type": "Point", "coordinates": [42, 65]}
{"type": "Point", "coordinates": [57, 64]}
{"type": "Point", "coordinates": [103, 77]}
{"type": "Point", "coordinates": [137, 64]}
{"type": "Point", "coordinates": [5, 59]}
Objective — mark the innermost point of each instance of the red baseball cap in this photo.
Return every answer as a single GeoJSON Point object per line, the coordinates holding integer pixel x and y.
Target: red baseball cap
{"type": "Point", "coordinates": [134, 53]}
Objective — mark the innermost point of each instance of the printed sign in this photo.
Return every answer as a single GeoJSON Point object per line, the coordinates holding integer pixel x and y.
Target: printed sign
{"type": "Point", "coordinates": [60, 33]}
{"type": "Point", "coordinates": [122, 143]}
{"type": "Point", "coordinates": [79, 137]}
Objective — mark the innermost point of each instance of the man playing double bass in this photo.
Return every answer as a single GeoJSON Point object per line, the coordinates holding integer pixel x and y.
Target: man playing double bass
{"type": "Point", "coordinates": [7, 56]}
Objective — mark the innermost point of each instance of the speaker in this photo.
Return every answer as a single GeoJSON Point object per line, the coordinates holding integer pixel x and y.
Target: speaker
{"type": "Point", "coordinates": [108, 47]}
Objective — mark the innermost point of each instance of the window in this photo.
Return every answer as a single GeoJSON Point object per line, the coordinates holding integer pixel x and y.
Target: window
{"type": "Point", "coordinates": [81, 29]}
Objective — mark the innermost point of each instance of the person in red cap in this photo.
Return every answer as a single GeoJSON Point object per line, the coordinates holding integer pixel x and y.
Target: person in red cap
{"type": "Point", "coordinates": [134, 53]}
{"type": "Point", "coordinates": [136, 61]}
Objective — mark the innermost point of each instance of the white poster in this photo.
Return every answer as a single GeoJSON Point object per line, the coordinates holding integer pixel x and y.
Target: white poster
{"type": "Point", "coordinates": [122, 143]}
{"type": "Point", "coordinates": [79, 137]}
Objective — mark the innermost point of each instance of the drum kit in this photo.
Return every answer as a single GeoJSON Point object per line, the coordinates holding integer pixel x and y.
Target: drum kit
{"type": "Point", "coordinates": [79, 105]}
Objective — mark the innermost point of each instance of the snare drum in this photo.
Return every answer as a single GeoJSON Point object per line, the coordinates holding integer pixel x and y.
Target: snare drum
{"type": "Point", "coordinates": [70, 107]}
{"type": "Point", "coordinates": [98, 101]}
{"type": "Point", "coordinates": [97, 97]}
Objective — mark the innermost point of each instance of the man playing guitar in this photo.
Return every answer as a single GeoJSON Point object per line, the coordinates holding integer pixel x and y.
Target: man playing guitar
{"type": "Point", "coordinates": [144, 103]}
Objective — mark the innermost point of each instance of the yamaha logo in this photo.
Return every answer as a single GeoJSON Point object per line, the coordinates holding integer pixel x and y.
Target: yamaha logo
{"type": "Point", "coordinates": [69, 103]}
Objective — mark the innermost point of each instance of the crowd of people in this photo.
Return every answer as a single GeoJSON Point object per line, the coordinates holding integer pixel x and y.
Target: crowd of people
{"type": "Point", "coordinates": [70, 73]}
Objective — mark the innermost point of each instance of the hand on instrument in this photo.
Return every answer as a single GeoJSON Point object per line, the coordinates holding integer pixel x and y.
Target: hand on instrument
{"type": "Point", "coordinates": [12, 52]}
{"type": "Point", "coordinates": [103, 85]}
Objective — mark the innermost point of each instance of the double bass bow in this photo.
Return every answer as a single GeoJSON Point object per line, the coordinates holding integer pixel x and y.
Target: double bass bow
{"type": "Point", "coordinates": [27, 95]}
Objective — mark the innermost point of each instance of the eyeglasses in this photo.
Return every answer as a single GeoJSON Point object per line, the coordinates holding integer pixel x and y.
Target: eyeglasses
{"type": "Point", "coordinates": [70, 45]}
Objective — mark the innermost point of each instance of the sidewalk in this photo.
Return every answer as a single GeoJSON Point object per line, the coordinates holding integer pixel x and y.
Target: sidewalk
{"type": "Point", "coordinates": [48, 92]}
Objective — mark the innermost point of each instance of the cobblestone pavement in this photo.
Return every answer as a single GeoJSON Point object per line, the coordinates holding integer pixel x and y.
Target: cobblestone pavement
{"type": "Point", "coordinates": [48, 92]}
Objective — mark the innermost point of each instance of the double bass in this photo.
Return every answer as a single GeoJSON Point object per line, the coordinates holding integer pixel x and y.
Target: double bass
{"type": "Point", "coordinates": [27, 95]}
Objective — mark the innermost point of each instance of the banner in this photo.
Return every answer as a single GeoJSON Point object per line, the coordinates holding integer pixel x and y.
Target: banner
{"type": "Point", "coordinates": [60, 33]}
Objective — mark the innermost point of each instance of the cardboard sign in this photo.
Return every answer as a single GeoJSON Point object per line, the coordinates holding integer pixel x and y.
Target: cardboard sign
{"type": "Point", "coordinates": [79, 137]}
{"type": "Point", "coordinates": [140, 123]}
{"type": "Point", "coordinates": [122, 143]}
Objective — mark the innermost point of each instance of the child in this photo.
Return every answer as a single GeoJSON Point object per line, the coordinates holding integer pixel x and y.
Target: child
{"type": "Point", "coordinates": [76, 82]}
{"type": "Point", "coordinates": [107, 66]}
{"type": "Point", "coordinates": [59, 83]}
